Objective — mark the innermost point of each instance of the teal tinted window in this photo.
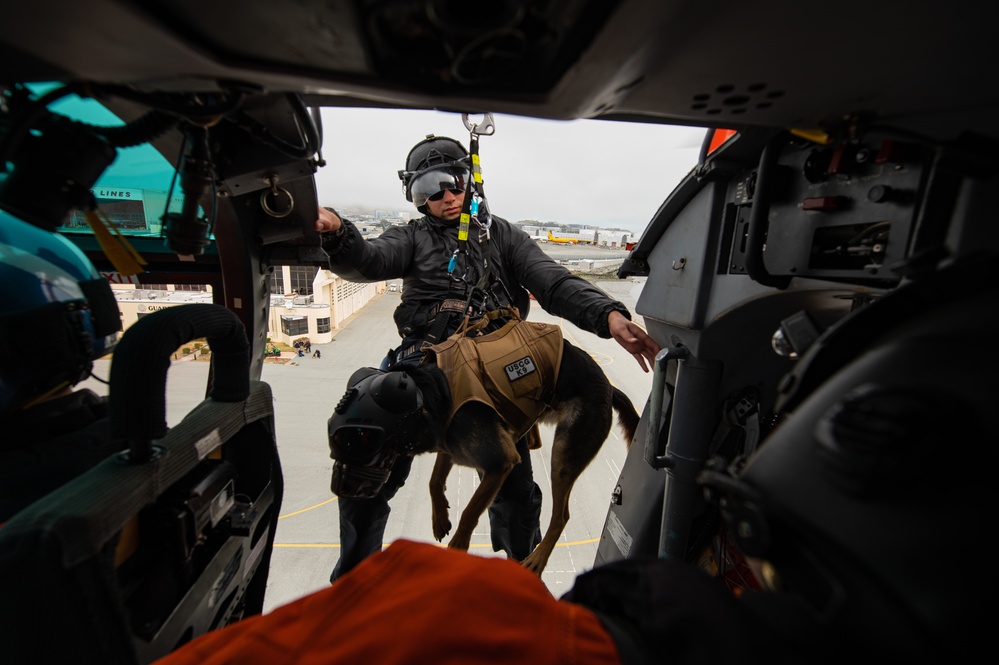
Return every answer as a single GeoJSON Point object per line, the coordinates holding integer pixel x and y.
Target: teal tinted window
{"type": "Point", "coordinates": [133, 191]}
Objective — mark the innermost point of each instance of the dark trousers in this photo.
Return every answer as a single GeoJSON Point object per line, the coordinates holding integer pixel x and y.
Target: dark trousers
{"type": "Point", "coordinates": [514, 516]}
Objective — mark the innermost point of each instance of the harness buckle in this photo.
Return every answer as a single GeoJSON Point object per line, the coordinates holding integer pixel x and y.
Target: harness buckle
{"type": "Point", "coordinates": [477, 303]}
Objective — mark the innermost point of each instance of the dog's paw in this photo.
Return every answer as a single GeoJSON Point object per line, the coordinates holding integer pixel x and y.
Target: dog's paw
{"type": "Point", "coordinates": [535, 562]}
{"type": "Point", "coordinates": [442, 527]}
{"type": "Point", "coordinates": [439, 507]}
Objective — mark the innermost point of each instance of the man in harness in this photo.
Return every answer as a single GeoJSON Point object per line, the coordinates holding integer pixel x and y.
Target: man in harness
{"type": "Point", "coordinates": [445, 272]}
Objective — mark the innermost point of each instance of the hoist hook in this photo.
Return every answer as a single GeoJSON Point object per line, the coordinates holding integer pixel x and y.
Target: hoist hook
{"type": "Point", "coordinates": [484, 128]}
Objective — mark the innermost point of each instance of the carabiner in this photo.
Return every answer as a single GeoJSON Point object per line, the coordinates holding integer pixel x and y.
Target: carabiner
{"type": "Point", "coordinates": [453, 263]}
{"type": "Point", "coordinates": [484, 220]}
{"type": "Point", "coordinates": [485, 128]}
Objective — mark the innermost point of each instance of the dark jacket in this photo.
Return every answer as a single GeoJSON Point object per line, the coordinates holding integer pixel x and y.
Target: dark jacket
{"type": "Point", "coordinates": [420, 251]}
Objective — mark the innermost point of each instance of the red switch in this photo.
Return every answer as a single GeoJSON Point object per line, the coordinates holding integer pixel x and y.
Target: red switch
{"type": "Point", "coordinates": [843, 161]}
{"type": "Point", "coordinates": [824, 203]}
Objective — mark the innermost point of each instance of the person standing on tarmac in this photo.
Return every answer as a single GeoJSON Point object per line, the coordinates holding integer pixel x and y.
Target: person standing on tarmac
{"type": "Point", "coordinates": [436, 180]}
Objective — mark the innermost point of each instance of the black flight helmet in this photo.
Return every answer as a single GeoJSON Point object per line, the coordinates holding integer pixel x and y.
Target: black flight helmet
{"type": "Point", "coordinates": [435, 164]}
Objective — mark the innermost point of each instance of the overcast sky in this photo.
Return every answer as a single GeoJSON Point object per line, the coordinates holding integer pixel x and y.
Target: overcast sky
{"type": "Point", "coordinates": [601, 173]}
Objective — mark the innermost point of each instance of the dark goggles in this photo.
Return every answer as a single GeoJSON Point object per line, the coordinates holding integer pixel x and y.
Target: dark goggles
{"type": "Point", "coordinates": [432, 185]}
{"type": "Point", "coordinates": [356, 445]}
{"type": "Point", "coordinates": [362, 463]}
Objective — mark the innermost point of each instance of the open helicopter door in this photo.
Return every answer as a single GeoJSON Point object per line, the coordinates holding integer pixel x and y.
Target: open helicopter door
{"type": "Point", "coordinates": [165, 541]}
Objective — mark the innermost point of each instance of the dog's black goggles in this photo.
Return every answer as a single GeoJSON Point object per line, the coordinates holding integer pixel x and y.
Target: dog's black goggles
{"type": "Point", "coordinates": [370, 428]}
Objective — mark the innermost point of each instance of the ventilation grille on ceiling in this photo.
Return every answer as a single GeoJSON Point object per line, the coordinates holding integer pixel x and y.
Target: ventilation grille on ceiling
{"type": "Point", "coordinates": [728, 99]}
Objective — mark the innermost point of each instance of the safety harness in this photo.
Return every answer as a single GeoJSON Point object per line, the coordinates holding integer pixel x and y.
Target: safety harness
{"type": "Point", "coordinates": [462, 300]}
{"type": "Point", "coordinates": [512, 369]}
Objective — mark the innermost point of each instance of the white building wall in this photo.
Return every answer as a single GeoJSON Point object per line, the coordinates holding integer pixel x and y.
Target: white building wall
{"type": "Point", "coordinates": [333, 298]}
{"type": "Point", "coordinates": [135, 302]}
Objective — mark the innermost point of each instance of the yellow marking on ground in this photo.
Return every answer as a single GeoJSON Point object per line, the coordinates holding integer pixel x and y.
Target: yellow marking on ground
{"type": "Point", "coordinates": [601, 358]}
{"type": "Point", "coordinates": [305, 510]}
{"type": "Point", "coordinates": [604, 359]}
{"type": "Point", "coordinates": [479, 545]}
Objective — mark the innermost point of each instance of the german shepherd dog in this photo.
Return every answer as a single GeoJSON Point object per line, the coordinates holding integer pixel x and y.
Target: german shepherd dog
{"type": "Point", "coordinates": [478, 437]}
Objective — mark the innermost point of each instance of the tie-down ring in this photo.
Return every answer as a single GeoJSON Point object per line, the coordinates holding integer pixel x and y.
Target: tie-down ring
{"type": "Point", "coordinates": [276, 207]}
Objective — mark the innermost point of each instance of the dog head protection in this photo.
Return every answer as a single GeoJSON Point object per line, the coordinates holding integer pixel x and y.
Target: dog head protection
{"type": "Point", "coordinates": [373, 424]}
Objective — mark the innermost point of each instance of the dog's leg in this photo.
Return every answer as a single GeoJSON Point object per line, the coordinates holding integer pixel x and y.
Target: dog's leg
{"type": "Point", "coordinates": [573, 449]}
{"type": "Point", "coordinates": [583, 416]}
{"type": "Point", "coordinates": [563, 477]}
{"type": "Point", "coordinates": [478, 438]}
{"type": "Point", "coordinates": [438, 497]}
{"type": "Point", "coordinates": [484, 494]}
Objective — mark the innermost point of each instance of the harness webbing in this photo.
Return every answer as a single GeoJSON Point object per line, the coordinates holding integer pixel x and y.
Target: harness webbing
{"type": "Point", "coordinates": [474, 208]}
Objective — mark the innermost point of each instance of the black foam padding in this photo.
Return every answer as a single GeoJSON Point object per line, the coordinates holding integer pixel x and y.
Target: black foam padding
{"type": "Point", "coordinates": [142, 359]}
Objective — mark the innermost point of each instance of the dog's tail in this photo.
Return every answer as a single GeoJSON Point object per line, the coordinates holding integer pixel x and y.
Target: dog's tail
{"type": "Point", "coordinates": [627, 417]}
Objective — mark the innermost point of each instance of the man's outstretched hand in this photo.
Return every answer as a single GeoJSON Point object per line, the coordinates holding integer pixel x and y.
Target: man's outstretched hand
{"type": "Point", "coordinates": [328, 222]}
{"type": "Point", "coordinates": [634, 340]}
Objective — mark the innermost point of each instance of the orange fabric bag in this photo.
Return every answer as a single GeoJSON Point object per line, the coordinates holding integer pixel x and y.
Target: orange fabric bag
{"type": "Point", "coordinates": [415, 603]}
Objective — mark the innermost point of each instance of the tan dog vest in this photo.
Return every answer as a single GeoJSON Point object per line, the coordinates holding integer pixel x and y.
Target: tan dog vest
{"type": "Point", "coordinates": [513, 369]}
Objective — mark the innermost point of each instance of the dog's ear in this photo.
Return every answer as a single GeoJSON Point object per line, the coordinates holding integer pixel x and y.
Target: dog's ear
{"type": "Point", "coordinates": [442, 386]}
{"type": "Point", "coordinates": [436, 392]}
{"type": "Point", "coordinates": [440, 404]}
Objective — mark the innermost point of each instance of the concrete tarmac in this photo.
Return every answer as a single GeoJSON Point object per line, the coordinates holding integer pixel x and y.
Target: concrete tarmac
{"type": "Point", "coordinates": [305, 393]}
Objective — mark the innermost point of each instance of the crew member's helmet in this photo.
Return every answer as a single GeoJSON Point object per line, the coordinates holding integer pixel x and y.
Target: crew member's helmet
{"type": "Point", "coordinates": [57, 314]}
{"type": "Point", "coordinates": [435, 164]}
